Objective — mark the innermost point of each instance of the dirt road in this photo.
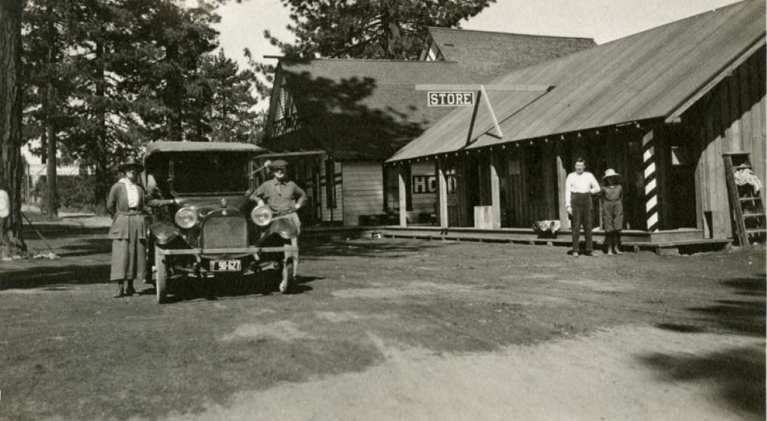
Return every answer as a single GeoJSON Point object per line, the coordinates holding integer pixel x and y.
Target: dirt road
{"type": "Point", "coordinates": [393, 330]}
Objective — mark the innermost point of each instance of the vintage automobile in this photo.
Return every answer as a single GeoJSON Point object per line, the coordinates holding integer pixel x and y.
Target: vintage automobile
{"type": "Point", "coordinates": [212, 228]}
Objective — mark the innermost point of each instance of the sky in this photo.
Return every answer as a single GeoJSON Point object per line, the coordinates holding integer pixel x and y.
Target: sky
{"type": "Point", "coordinates": [243, 24]}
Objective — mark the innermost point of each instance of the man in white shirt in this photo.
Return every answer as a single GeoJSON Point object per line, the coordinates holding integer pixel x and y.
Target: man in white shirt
{"type": "Point", "coordinates": [579, 187]}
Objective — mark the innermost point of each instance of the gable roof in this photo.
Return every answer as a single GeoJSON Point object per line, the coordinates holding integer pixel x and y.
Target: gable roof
{"type": "Point", "coordinates": [644, 76]}
{"type": "Point", "coordinates": [491, 54]}
{"type": "Point", "coordinates": [361, 109]}
{"type": "Point", "coordinates": [369, 109]}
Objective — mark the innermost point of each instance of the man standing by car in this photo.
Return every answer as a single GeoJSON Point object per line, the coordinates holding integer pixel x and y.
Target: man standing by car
{"type": "Point", "coordinates": [579, 187]}
{"type": "Point", "coordinates": [282, 196]}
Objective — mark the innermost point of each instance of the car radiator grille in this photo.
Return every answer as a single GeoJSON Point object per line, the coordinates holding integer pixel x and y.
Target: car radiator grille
{"type": "Point", "coordinates": [224, 232]}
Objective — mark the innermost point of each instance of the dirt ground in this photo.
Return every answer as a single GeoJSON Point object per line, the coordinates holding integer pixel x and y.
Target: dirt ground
{"type": "Point", "coordinates": [385, 329]}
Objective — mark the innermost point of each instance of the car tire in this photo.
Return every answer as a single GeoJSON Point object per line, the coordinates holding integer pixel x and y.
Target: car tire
{"type": "Point", "coordinates": [161, 279]}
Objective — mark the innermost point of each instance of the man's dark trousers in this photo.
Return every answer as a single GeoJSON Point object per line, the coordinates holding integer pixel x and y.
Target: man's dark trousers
{"type": "Point", "coordinates": [581, 206]}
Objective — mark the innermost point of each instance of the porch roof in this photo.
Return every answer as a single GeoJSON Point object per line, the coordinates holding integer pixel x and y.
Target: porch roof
{"type": "Point", "coordinates": [644, 76]}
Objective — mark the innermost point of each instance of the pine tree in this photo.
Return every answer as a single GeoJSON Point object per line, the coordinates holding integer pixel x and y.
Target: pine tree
{"type": "Point", "coordinates": [11, 241]}
{"type": "Point", "coordinates": [377, 29]}
{"type": "Point", "coordinates": [232, 100]}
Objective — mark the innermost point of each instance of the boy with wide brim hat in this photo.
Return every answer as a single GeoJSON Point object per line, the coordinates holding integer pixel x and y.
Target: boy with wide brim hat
{"type": "Point", "coordinates": [612, 210]}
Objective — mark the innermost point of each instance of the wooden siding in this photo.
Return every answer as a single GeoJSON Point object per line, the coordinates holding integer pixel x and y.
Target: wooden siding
{"type": "Point", "coordinates": [729, 118]}
{"type": "Point", "coordinates": [362, 190]}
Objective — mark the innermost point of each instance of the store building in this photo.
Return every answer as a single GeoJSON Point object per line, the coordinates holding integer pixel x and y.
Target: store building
{"type": "Point", "coordinates": [660, 107]}
{"type": "Point", "coordinates": [337, 120]}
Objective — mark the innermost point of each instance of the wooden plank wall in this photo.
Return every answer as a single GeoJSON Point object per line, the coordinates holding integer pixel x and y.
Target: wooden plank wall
{"type": "Point", "coordinates": [730, 118]}
{"type": "Point", "coordinates": [362, 190]}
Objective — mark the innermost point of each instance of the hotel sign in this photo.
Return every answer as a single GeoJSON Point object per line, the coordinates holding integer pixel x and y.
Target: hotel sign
{"type": "Point", "coordinates": [451, 99]}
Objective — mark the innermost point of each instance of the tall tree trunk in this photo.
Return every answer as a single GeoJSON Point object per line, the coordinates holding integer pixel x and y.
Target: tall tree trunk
{"type": "Point", "coordinates": [11, 242]}
{"type": "Point", "coordinates": [175, 95]}
{"type": "Point", "coordinates": [100, 154]}
{"type": "Point", "coordinates": [49, 105]}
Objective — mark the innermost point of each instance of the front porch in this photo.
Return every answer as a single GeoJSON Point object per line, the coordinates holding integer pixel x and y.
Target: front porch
{"type": "Point", "coordinates": [686, 240]}
{"type": "Point", "coordinates": [495, 194]}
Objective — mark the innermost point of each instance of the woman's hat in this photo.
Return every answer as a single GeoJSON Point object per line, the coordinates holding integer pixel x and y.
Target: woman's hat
{"type": "Point", "coordinates": [743, 166]}
{"type": "Point", "coordinates": [610, 173]}
{"type": "Point", "coordinates": [131, 163]}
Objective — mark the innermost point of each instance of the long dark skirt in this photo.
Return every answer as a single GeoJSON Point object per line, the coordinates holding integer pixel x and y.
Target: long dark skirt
{"type": "Point", "coordinates": [129, 255]}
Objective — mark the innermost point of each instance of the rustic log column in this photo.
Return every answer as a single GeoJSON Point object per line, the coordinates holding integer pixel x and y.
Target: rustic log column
{"type": "Point", "coordinates": [442, 193]}
{"type": "Point", "coordinates": [561, 189]}
{"type": "Point", "coordinates": [495, 190]}
{"type": "Point", "coordinates": [402, 196]}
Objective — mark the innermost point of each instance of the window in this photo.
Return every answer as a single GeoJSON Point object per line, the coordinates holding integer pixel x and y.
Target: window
{"type": "Point", "coordinates": [391, 186]}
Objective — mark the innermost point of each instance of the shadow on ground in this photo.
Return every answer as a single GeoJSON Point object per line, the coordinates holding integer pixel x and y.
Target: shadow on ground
{"type": "Point", "coordinates": [39, 277]}
{"type": "Point", "coordinates": [738, 373]}
{"type": "Point", "coordinates": [58, 231]}
{"type": "Point", "coordinates": [316, 249]}
{"type": "Point", "coordinates": [191, 288]}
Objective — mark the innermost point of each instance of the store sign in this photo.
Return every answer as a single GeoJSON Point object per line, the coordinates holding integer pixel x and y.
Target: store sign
{"type": "Point", "coordinates": [423, 184]}
{"type": "Point", "coordinates": [451, 99]}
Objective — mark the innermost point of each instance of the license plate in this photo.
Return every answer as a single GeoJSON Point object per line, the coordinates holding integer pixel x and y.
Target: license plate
{"type": "Point", "coordinates": [225, 266]}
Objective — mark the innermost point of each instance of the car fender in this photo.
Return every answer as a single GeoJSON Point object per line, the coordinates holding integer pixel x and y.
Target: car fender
{"type": "Point", "coordinates": [164, 233]}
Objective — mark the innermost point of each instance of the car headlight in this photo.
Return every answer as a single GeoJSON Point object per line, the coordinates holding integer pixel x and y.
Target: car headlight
{"type": "Point", "coordinates": [186, 218]}
{"type": "Point", "coordinates": [261, 216]}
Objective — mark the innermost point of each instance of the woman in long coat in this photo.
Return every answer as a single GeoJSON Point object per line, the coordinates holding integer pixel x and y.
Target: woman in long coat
{"type": "Point", "coordinates": [126, 204]}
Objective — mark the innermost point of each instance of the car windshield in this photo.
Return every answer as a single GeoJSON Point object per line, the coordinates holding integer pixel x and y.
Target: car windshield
{"type": "Point", "coordinates": [211, 173]}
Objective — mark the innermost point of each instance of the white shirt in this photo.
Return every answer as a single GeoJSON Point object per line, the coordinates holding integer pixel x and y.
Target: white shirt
{"type": "Point", "coordinates": [132, 192]}
{"type": "Point", "coordinates": [580, 183]}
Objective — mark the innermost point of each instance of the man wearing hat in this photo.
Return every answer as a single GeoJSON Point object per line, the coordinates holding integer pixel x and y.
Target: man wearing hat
{"type": "Point", "coordinates": [125, 204]}
{"type": "Point", "coordinates": [282, 196]}
{"type": "Point", "coordinates": [612, 210]}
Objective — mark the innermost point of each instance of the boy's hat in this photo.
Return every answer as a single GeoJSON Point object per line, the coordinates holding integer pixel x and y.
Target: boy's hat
{"type": "Point", "coordinates": [278, 163]}
{"type": "Point", "coordinates": [610, 173]}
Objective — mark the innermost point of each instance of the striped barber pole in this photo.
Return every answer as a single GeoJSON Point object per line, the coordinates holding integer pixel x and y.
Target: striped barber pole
{"type": "Point", "coordinates": [650, 181]}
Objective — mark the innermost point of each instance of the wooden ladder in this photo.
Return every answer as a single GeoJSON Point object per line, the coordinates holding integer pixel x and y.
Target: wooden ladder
{"type": "Point", "coordinates": [747, 206]}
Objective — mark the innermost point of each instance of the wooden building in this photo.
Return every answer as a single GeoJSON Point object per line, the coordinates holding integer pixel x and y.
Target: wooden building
{"type": "Point", "coordinates": [338, 120]}
{"type": "Point", "coordinates": [660, 107]}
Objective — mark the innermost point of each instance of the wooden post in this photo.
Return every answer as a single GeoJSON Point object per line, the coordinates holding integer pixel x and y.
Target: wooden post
{"type": "Point", "coordinates": [402, 196]}
{"type": "Point", "coordinates": [650, 181]}
{"type": "Point", "coordinates": [495, 190]}
{"type": "Point", "coordinates": [561, 179]}
{"type": "Point", "coordinates": [442, 193]}
{"type": "Point", "coordinates": [548, 181]}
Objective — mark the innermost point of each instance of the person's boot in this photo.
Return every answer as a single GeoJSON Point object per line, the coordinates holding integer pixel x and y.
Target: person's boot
{"type": "Point", "coordinates": [610, 243]}
{"type": "Point", "coordinates": [617, 243]}
{"type": "Point", "coordinates": [130, 290]}
{"type": "Point", "coordinates": [120, 291]}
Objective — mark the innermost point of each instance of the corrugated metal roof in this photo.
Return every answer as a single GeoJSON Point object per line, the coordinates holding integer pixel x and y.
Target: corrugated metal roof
{"type": "Point", "coordinates": [643, 76]}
